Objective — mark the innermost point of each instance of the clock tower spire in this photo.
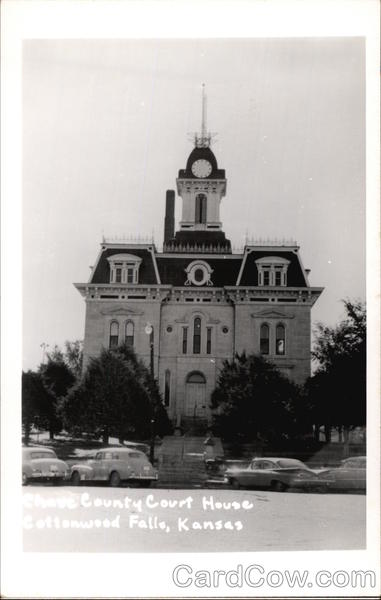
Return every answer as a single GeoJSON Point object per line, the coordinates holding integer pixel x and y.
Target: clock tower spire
{"type": "Point", "coordinates": [204, 139]}
{"type": "Point", "coordinates": [201, 186]}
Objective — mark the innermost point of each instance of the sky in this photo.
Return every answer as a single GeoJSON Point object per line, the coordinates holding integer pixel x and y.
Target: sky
{"type": "Point", "coordinates": [106, 127]}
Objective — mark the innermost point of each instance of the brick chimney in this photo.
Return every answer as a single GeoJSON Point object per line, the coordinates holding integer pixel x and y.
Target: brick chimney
{"type": "Point", "coordinates": [169, 222]}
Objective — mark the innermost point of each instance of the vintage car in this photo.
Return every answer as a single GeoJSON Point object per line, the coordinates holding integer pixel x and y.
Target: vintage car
{"type": "Point", "coordinates": [278, 474]}
{"type": "Point", "coordinates": [115, 465]}
{"type": "Point", "coordinates": [350, 475]}
{"type": "Point", "coordinates": [42, 464]}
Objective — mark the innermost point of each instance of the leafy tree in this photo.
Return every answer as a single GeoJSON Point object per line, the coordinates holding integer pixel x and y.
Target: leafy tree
{"type": "Point", "coordinates": [116, 397]}
{"type": "Point", "coordinates": [72, 356]}
{"type": "Point", "coordinates": [35, 403]}
{"type": "Point", "coordinates": [337, 390]}
{"type": "Point", "coordinates": [57, 379]}
{"type": "Point", "coordinates": [254, 400]}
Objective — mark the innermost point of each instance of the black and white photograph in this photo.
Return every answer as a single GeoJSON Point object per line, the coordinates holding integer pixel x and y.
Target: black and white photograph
{"type": "Point", "coordinates": [191, 303]}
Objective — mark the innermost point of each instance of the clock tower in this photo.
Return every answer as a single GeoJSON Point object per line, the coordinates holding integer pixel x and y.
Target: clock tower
{"type": "Point", "coordinates": [201, 186]}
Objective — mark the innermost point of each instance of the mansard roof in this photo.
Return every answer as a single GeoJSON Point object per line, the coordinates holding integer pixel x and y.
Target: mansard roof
{"type": "Point", "coordinates": [295, 275]}
{"type": "Point", "coordinates": [169, 268]}
{"type": "Point", "coordinates": [147, 274]}
{"type": "Point", "coordinates": [172, 268]}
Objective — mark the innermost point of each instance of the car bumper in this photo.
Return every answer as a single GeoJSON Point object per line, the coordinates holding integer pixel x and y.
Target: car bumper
{"type": "Point", "coordinates": [50, 475]}
{"type": "Point", "coordinates": [309, 483]}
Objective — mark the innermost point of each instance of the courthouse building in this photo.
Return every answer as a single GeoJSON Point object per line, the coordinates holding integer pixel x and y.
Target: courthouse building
{"type": "Point", "coordinates": [189, 307]}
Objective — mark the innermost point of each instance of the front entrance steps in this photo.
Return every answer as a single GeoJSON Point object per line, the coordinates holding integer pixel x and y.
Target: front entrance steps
{"type": "Point", "coordinates": [194, 427]}
{"type": "Point", "coordinates": [181, 461]}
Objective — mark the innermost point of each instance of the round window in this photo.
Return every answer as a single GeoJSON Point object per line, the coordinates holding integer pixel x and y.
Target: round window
{"type": "Point", "coordinates": [169, 329]}
{"type": "Point", "coordinates": [225, 329]}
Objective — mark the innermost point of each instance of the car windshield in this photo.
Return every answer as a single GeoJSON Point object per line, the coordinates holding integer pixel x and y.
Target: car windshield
{"type": "Point", "coordinates": [43, 454]}
{"type": "Point", "coordinates": [286, 463]}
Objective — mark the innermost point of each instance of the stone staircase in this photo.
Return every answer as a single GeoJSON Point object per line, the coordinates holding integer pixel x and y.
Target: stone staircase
{"type": "Point", "coordinates": [181, 461]}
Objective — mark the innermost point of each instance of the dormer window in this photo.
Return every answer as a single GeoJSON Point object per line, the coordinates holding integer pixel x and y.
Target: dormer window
{"type": "Point", "coordinates": [272, 271]}
{"type": "Point", "coordinates": [124, 268]}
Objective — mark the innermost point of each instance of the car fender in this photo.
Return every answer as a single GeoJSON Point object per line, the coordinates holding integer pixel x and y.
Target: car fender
{"type": "Point", "coordinates": [83, 468]}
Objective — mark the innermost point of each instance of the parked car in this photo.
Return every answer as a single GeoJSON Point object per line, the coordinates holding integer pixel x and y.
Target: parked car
{"type": "Point", "coordinates": [115, 465]}
{"type": "Point", "coordinates": [278, 474]}
{"type": "Point", "coordinates": [350, 475]}
{"type": "Point", "coordinates": [42, 464]}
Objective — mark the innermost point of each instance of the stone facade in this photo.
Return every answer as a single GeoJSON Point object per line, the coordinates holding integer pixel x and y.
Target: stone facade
{"type": "Point", "coordinates": [203, 302]}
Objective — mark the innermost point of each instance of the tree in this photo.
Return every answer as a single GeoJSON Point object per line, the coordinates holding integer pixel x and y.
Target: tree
{"type": "Point", "coordinates": [72, 356]}
{"type": "Point", "coordinates": [44, 389]}
{"type": "Point", "coordinates": [337, 390]}
{"type": "Point", "coordinates": [116, 397]}
{"type": "Point", "coordinates": [57, 379]}
{"type": "Point", "coordinates": [254, 400]}
{"type": "Point", "coordinates": [35, 403]}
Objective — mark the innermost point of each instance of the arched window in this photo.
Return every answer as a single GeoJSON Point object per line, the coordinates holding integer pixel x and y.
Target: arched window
{"type": "Point", "coordinates": [197, 336]}
{"type": "Point", "coordinates": [129, 333]}
{"type": "Point", "coordinates": [264, 342]}
{"type": "Point", "coordinates": [114, 334]}
{"type": "Point", "coordinates": [200, 208]}
{"type": "Point", "coordinates": [167, 387]}
{"type": "Point", "coordinates": [196, 377]}
{"type": "Point", "coordinates": [280, 340]}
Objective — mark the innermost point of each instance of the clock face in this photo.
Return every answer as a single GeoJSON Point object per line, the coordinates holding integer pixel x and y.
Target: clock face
{"type": "Point", "coordinates": [201, 168]}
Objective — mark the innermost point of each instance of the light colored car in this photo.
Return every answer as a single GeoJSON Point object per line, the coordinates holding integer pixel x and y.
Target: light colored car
{"type": "Point", "coordinates": [278, 474]}
{"type": "Point", "coordinates": [42, 464]}
{"type": "Point", "coordinates": [115, 465]}
{"type": "Point", "coordinates": [350, 475]}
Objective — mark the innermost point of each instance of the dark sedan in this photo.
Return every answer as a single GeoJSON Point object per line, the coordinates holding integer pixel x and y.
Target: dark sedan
{"type": "Point", "coordinates": [278, 474]}
{"type": "Point", "coordinates": [349, 476]}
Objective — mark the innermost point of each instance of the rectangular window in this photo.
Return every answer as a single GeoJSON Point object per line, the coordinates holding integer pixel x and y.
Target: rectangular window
{"type": "Point", "coordinates": [118, 275]}
{"type": "Point", "coordinates": [278, 277]}
{"type": "Point", "coordinates": [130, 275]}
{"type": "Point", "coordinates": [197, 336]}
{"type": "Point", "coordinates": [167, 388]}
{"type": "Point", "coordinates": [208, 340]}
{"type": "Point", "coordinates": [185, 339]}
{"type": "Point", "coordinates": [266, 277]}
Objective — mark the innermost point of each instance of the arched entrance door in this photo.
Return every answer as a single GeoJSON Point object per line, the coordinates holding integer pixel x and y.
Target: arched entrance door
{"type": "Point", "coordinates": [195, 395]}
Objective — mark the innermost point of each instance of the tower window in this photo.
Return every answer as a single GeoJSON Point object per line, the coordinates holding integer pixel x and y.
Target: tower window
{"type": "Point", "coordinates": [114, 334]}
{"type": "Point", "coordinates": [280, 341]}
{"type": "Point", "coordinates": [167, 387]}
{"type": "Point", "coordinates": [208, 340]}
{"type": "Point", "coordinates": [264, 342]}
{"type": "Point", "coordinates": [197, 336]}
{"type": "Point", "coordinates": [200, 208]}
{"type": "Point", "coordinates": [129, 333]}
{"type": "Point", "coordinates": [185, 339]}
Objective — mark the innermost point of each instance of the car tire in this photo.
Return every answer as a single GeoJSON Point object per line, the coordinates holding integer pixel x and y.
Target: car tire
{"type": "Point", "coordinates": [235, 484]}
{"type": "Point", "coordinates": [278, 486]}
{"type": "Point", "coordinates": [114, 480]}
{"type": "Point", "coordinates": [24, 479]}
{"type": "Point", "coordinates": [75, 478]}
